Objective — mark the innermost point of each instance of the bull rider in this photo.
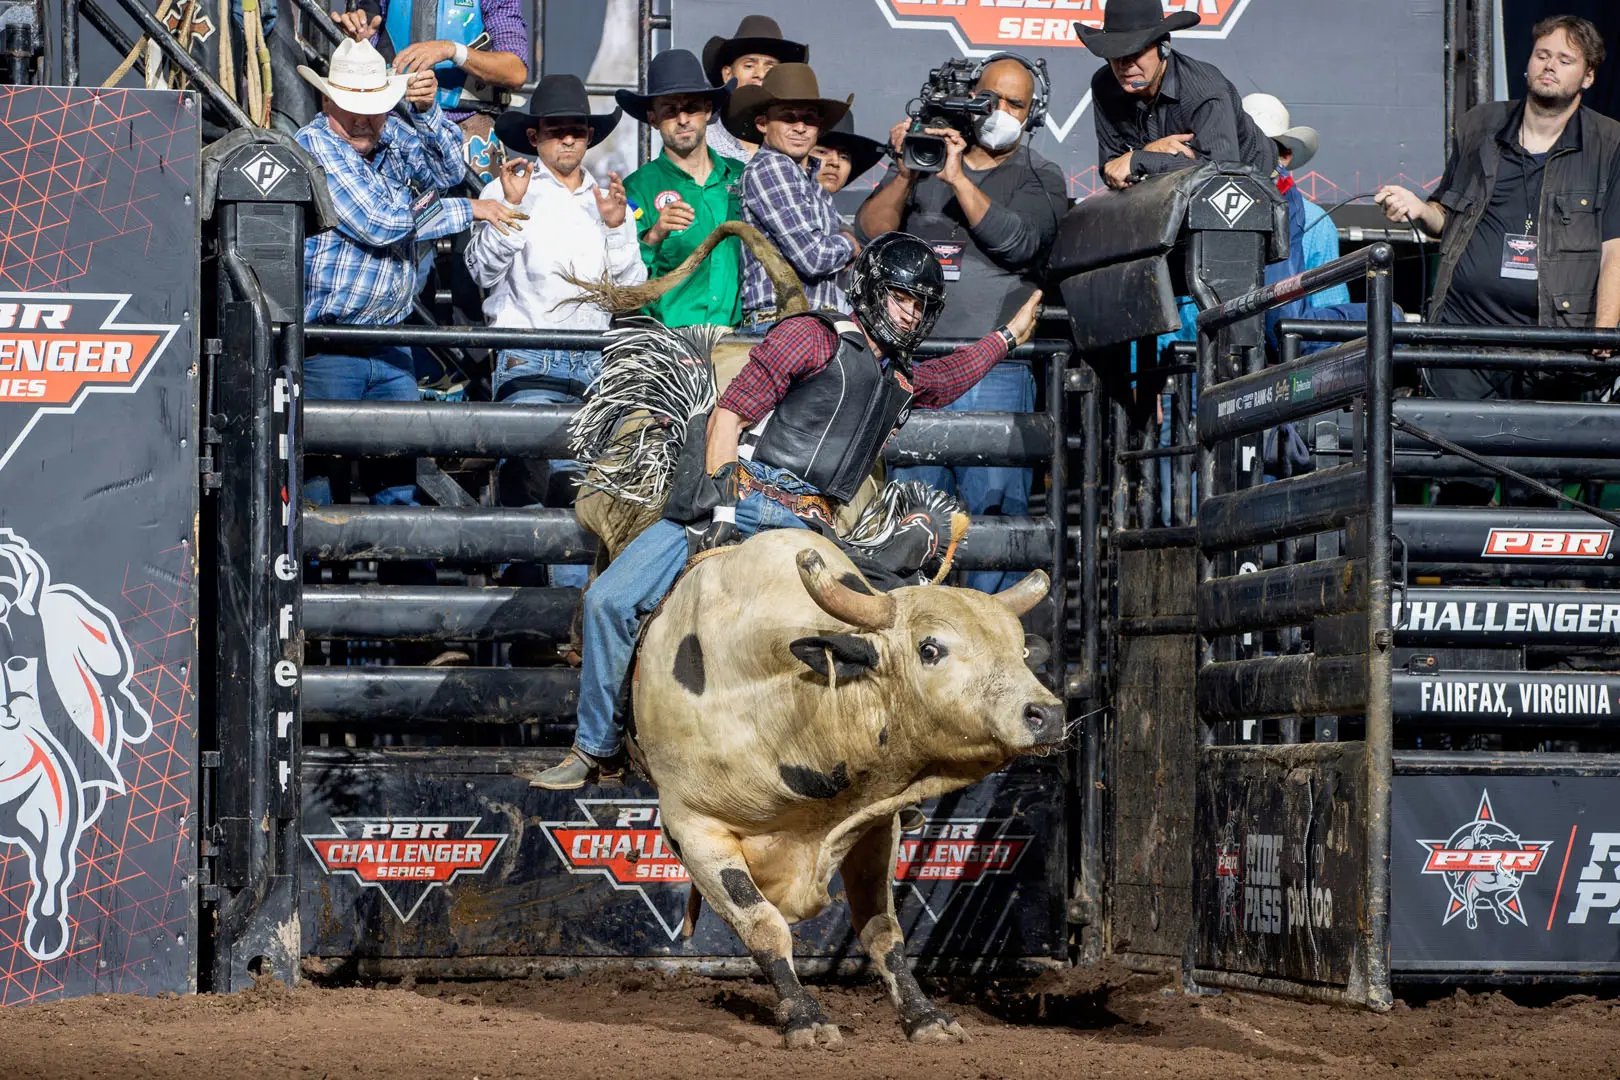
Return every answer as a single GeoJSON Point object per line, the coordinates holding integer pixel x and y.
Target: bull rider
{"type": "Point", "coordinates": [793, 435]}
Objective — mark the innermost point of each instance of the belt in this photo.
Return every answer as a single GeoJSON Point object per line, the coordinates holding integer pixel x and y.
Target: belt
{"type": "Point", "coordinates": [805, 506]}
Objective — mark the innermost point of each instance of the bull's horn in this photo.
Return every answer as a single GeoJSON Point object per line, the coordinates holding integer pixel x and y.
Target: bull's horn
{"type": "Point", "coordinates": [867, 610]}
{"type": "Point", "coordinates": [1026, 594]}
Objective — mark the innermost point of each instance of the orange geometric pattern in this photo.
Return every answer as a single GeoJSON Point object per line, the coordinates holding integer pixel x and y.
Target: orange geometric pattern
{"type": "Point", "coordinates": [85, 160]}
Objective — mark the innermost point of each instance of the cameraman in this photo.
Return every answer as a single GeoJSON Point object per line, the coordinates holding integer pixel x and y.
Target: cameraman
{"type": "Point", "coordinates": [990, 214]}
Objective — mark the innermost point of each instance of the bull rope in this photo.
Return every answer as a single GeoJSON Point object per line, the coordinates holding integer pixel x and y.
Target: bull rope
{"type": "Point", "coordinates": [134, 54]}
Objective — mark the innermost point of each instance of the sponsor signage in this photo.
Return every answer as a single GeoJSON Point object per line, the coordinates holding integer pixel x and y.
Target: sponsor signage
{"type": "Point", "coordinates": [622, 841]}
{"type": "Point", "coordinates": [1548, 543]}
{"type": "Point", "coordinates": [99, 301]}
{"type": "Point", "coordinates": [1275, 874]}
{"type": "Point", "coordinates": [405, 858]}
{"type": "Point", "coordinates": [987, 27]}
{"type": "Point", "coordinates": [1514, 873]}
{"type": "Point", "coordinates": [1478, 617]}
{"type": "Point", "coordinates": [1547, 698]}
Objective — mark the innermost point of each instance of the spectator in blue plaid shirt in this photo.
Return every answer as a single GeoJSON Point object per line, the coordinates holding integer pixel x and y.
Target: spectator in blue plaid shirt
{"type": "Point", "coordinates": [780, 195]}
{"type": "Point", "coordinates": [386, 175]}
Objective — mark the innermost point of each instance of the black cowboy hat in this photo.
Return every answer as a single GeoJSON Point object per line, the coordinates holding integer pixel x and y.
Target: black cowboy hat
{"type": "Point", "coordinates": [755, 34]}
{"type": "Point", "coordinates": [557, 97]}
{"type": "Point", "coordinates": [784, 84]}
{"type": "Point", "coordinates": [1130, 26]}
{"type": "Point", "coordinates": [863, 153]}
{"type": "Point", "coordinates": [673, 71]}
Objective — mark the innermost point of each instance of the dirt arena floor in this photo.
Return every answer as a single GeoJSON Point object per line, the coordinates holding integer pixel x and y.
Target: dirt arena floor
{"type": "Point", "coordinates": [637, 1026]}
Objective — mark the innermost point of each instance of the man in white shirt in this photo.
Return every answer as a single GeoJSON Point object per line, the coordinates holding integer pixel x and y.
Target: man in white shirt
{"type": "Point", "coordinates": [575, 226]}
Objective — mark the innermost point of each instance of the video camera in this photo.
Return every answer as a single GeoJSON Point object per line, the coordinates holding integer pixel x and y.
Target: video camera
{"type": "Point", "coordinates": [948, 99]}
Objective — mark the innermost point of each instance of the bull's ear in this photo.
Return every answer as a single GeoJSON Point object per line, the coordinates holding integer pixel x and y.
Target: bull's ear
{"type": "Point", "coordinates": [851, 656]}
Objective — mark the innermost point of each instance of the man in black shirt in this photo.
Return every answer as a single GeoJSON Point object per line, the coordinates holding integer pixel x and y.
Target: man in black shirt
{"type": "Point", "coordinates": [1528, 212]}
{"type": "Point", "coordinates": [990, 215]}
{"type": "Point", "coordinates": [1158, 111]}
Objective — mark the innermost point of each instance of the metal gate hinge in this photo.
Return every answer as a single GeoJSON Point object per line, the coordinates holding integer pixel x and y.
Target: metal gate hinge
{"type": "Point", "coordinates": [209, 759]}
{"type": "Point", "coordinates": [213, 346]}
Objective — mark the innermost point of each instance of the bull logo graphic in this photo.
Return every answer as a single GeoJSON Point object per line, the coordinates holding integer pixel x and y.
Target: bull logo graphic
{"type": "Point", "coordinates": [66, 713]}
{"type": "Point", "coordinates": [1484, 864]}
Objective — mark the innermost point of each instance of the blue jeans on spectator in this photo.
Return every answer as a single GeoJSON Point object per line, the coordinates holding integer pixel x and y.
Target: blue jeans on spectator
{"type": "Point", "coordinates": [1009, 387]}
{"type": "Point", "coordinates": [632, 586]}
{"type": "Point", "coordinates": [563, 375]}
{"type": "Point", "coordinates": [386, 374]}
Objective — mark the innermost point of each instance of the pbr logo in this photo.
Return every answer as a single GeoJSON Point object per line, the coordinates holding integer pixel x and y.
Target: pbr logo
{"type": "Point", "coordinates": [1229, 874]}
{"type": "Point", "coordinates": [57, 348]}
{"type": "Point", "coordinates": [623, 841]}
{"type": "Point", "coordinates": [1483, 865]}
{"type": "Point", "coordinates": [66, 714]}
{"type": "Point", "coordinates": [1548, 543]}
{"type": "Point", "coordinates": [405, 858]}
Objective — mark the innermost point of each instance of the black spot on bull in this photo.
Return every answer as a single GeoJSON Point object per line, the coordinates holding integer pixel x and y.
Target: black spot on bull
{"type": "Point", "coordinates": [883, 737]}
{"type": "Point", "coordinates": [916, 1011]}
{"type": "Point", "coordinates": [851, 656]}
{"type": "Point", "coordinates": [740, 887]}
{"type": "Point", "coordinates": [811, 784]}
{"type": "Point", "coordinates": [689, 665]}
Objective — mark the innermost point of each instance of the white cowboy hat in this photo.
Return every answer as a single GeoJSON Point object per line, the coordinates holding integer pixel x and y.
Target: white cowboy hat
{"type": "Point", "coordinates": [1270, 115]}
{"type": "Point", "coordinates": [358, 79]}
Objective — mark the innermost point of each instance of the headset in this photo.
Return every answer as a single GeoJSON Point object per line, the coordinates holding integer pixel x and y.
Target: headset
{"type": "Point", "coordinates": [1043, 85]}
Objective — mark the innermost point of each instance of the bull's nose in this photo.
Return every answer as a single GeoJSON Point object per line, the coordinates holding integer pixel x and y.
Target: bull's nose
{"type": "Point", "coordinates": [1045, 722]}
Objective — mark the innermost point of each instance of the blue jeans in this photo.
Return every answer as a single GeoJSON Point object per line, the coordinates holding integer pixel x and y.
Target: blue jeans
{"type": "Point", "coordinates": [632, 586]}
{"type": "Point", "coordinates": [388, 374]}
{"type": "Point", "coordinates": [572, 367]}
{"type": "Point", "coordinates": [1009, 387]}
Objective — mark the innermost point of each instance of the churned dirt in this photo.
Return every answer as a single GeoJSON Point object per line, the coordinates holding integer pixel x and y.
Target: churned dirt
{"type": "Point", "coordinates": [636, 1026]}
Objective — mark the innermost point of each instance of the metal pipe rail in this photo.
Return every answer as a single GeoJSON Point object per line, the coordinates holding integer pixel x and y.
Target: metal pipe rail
{"type": "Point", "coordinates": [377, 695]}
{"type": "Point", "coordinates": [1404, 333]}
{"type": "Point", "coordinates": [499, 429]}
{"type": "Point", "coordinates": [398, 613]}
{"type": "Point", "coordinates": [500, 337]}
{"type": "Point", "coordinates": [531, 534]}
{"type": "Point", "coordinates": [1340, 271]}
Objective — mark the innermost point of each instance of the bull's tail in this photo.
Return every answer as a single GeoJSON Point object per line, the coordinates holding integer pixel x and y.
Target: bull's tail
{"type": "Point", "coordinates": [623, 299]}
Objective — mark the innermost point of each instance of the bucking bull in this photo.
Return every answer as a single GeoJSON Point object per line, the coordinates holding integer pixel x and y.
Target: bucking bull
{"type": "Point", "coordinates": [786, 710]}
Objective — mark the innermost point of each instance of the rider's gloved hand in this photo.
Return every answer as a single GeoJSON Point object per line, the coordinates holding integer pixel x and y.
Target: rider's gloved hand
{"type": "Point", "coordinates": [722, 527]}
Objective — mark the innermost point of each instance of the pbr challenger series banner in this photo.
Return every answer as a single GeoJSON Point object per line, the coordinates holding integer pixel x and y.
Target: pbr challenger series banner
{"type": "Point", "coordinates": [1316, 57]}
{"type": "Point", "coordinates": [98, 471]}
{"type": "Point", "coordinates": [1505, 873]}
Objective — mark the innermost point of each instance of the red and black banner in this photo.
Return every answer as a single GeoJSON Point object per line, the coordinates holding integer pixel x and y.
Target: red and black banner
{"type": "Point", "coordinates": [98, 467]}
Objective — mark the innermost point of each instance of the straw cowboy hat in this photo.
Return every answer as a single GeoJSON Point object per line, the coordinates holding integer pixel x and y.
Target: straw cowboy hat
{"type": "Point", "coordinates": [785, 84]}
{"type": "Point", "coordinates": [863, 153]}
{"type": "Point", "coordinates": [672, 72]}
{"type": "Point", "coordinates": [755, 34]}
{"type": "Point", "coordinates": [557, 97]}
{"type": "Point", "coordinates": [357, 79]}
{"type": "Point", "coordinates": [1270, 115]}
{"type": "Point", "coordinates": [1130, 26]}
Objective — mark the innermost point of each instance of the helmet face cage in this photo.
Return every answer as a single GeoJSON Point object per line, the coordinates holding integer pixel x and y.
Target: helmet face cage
{"type": "Point", "coordinates": [881, 270]}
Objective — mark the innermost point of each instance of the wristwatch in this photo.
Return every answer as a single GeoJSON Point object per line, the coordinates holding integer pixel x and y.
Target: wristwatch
{"type": "Point", "coordinates": [1009, 337]}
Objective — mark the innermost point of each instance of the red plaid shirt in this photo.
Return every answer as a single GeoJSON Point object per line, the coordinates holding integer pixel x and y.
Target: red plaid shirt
{"type": "Point", "coordinates": [798, 348]}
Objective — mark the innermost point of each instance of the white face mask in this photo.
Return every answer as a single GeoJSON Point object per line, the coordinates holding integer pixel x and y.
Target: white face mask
{"type": "Point", "coordinates": [997, 131]}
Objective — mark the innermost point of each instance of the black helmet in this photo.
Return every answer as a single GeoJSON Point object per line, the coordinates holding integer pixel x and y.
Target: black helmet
{"type": "Point", "coordinates": [896, 260]}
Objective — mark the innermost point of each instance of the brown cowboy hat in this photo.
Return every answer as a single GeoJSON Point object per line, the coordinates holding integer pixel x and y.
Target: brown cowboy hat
{"type": "Point", "coordinates": [784, 84]}
{"type": "Point", "coordinates": [755, 34]}
{"type": "Point", "coordinates": [1130, 26]}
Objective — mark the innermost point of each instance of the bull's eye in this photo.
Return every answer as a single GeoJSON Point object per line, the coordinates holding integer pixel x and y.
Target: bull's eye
{"type": "Point", "coordinates": [930, 651]}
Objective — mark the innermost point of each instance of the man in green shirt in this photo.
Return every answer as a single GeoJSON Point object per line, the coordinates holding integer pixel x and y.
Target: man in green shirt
{"type": "Point", "coordinates": [681, 195]}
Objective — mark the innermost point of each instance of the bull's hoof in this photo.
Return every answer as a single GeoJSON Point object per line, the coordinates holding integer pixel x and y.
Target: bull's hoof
{"type": "Point", "coordinates": [935, 1029]}
{"type": "Point", "coordinates": [806, 1036]}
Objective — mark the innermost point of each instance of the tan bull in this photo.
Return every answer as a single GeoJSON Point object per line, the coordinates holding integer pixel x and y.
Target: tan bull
{"type": "Point", "coordinates": [786, 712]}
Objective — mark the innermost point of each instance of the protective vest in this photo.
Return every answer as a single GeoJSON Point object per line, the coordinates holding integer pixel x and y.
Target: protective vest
{"type": "Point", "coordinates": [460, 22]}
{"type": "Point", "coordinates": [830, 427]}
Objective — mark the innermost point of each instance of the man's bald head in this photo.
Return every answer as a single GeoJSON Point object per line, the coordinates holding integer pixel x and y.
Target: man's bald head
{"type": "Point", "coordinates": [1013, 83]}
